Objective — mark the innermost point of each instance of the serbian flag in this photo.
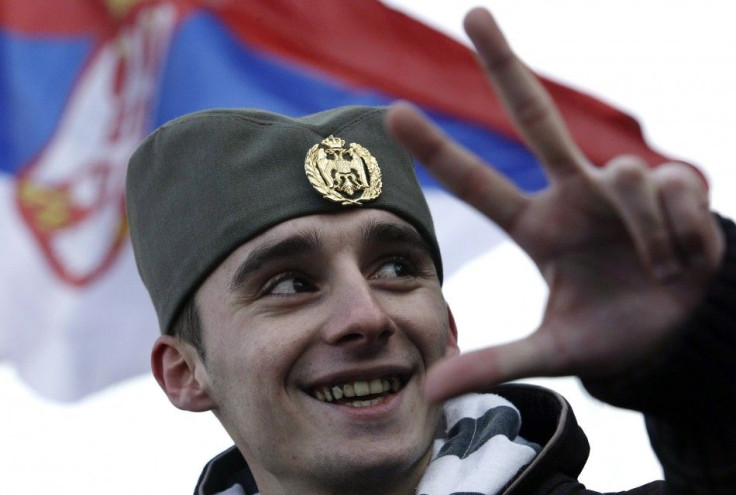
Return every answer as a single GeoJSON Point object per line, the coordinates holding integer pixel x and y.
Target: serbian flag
{"type": "Point", "coordinates": [82, 82]}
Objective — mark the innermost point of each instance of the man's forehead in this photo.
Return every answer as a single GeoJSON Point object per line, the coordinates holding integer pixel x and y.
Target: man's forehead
{"type": "Point", "coordinates": [347, 224]}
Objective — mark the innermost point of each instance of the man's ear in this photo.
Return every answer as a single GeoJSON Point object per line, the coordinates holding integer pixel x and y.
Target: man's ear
{"type": "Point", "coordinates": [452, 348]}
{"type": "Point", "coordinates": [181, 374]}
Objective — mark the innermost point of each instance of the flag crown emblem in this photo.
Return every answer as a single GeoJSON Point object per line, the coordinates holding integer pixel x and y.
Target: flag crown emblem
{"type": "Point", "coordinates": [344, 175]}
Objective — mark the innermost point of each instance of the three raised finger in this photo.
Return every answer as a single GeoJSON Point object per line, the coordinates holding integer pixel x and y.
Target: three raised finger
{"type": "Point", "coordinates": [665, 212]}
{"type": "Point", "coordinates": [684, 199]}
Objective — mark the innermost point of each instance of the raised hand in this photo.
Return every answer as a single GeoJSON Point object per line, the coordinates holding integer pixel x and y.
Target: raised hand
{"type": "Point", "coordinates": [627, 251]}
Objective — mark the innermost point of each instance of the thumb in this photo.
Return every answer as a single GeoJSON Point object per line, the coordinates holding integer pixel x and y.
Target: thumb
{"type": "Point", "coordinates": [481, 370]}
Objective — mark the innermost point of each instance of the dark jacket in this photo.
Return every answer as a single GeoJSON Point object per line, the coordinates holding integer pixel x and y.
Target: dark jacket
{"type": "Point", "coordinates": [688, 396]}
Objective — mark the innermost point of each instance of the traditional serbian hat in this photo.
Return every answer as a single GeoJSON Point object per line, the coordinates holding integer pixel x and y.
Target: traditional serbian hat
{"type": "Point", "coordinates": [205, 183]}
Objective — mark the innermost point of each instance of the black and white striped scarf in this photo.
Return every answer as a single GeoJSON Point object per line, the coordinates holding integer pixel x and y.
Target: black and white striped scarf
{"type": "Point", "coordinates": [482, 451]}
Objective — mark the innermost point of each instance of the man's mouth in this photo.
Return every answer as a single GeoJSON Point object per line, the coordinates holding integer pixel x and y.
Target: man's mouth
{"type": "Point", "coordinates": [360, 393]}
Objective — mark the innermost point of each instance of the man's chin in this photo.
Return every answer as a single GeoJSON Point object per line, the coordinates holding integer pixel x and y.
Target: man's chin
{"type": "Point", "coordinates": [379, 467]}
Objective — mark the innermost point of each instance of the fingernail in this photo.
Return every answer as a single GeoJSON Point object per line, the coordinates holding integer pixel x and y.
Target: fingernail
{"type": "Point", "coordinates": [667, 270]}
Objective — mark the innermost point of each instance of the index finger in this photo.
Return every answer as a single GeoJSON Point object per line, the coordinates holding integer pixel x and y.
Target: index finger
{"type": "Point", "coordinates": [526, 101]}
{"type": "Point", "coordinates": [463, 173]}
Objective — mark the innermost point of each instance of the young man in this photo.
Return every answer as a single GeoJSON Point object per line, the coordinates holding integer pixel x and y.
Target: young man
{"type": "Point", "coordinates": [297, 280]}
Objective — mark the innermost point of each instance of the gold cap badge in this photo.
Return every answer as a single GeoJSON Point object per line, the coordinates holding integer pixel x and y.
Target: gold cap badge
{"type": "Point", "coordinates": [346, 176]}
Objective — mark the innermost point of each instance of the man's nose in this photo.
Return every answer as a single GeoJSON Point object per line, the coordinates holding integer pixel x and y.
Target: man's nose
{"type": "Point", "coordinates": [357, 317]}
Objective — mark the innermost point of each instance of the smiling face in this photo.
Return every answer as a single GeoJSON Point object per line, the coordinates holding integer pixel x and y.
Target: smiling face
{"type": "Point", "coordinates": [319, 333]}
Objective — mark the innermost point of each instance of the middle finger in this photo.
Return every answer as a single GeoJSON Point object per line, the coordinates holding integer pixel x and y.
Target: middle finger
{"type": "Point", "coordinates": [526, 101]}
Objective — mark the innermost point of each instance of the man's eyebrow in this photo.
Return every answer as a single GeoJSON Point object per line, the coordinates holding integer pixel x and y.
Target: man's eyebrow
{"type": "Point", "coordinates": [297, 244]}
{"type": "Point", "coordinates": [383, 233]}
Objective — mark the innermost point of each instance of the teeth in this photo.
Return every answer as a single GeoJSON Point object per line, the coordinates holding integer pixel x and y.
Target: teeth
{"type": "Point", "coordinates": [365, 403]}
{"type": "Point", "coordinates": [395, 384]}
{"type": "Point", "coordinates": [337, 392]}
{"type": "Point", "coordinates": [359, 388]}
{"type": "Point", "coordinates": [348, 390]}
{"type": "Point", "coordinates": [376, 386]}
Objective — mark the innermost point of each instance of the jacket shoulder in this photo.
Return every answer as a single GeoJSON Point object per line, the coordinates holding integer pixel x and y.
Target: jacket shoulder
{"type": "Point", "coordinates": [548, 420]}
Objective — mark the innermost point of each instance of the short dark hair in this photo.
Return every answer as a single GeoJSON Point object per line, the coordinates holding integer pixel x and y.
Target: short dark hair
{"type": "Point", "coordinates": [187, 326]}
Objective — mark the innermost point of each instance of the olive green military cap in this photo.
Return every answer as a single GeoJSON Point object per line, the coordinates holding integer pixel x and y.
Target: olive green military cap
{"type": "Point", "coordinates": [203, 184]}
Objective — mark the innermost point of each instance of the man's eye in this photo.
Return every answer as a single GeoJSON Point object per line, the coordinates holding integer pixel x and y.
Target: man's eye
{"type": "Point", "coordinates": [289, 284]}
{"type": "Point", "coordinates": [393, 269]}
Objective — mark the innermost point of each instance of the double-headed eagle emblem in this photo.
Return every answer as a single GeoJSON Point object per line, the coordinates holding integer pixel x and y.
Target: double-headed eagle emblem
{"type": "Point", "coordinates": [348, 176]}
